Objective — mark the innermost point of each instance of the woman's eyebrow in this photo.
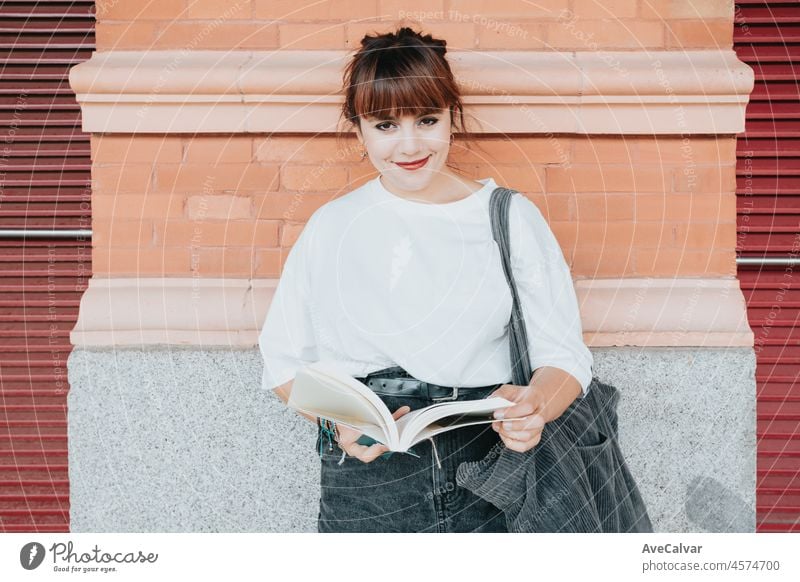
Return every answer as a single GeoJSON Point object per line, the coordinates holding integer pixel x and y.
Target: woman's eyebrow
{"type": "Point", "coordinates": [390, 118]}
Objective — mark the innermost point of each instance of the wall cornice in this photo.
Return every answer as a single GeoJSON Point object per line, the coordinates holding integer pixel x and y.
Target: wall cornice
{"type": "Point", "coordinates": [229, 312]}
{"type": "Point", "coordinates": [664, 92]}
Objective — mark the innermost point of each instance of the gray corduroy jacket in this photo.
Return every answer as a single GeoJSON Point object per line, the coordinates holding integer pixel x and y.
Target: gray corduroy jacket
{"type": "Point", "coordinates": [574, 480]}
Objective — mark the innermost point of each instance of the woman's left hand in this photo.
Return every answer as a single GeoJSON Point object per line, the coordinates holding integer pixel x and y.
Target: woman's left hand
{"type": "Point", "coordinates": [521, 434]}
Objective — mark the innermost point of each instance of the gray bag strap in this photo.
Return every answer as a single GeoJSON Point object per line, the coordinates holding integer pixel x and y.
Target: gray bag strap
{"type": "Point", "coordinates": [499, 205]}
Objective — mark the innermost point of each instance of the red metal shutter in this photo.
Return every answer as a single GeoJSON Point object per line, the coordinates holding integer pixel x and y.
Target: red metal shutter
{"type": "Point", "coordinates": [767, 37]}
{"type": "Point", "coordinates": [45, 183]}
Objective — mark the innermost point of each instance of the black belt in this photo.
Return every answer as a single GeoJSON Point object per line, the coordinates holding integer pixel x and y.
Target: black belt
{"type": "Point", "coordinates": [388, 383]}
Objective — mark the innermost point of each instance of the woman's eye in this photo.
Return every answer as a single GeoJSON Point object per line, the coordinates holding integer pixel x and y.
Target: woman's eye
{"type": "Point", "coordinates": [381, 126]}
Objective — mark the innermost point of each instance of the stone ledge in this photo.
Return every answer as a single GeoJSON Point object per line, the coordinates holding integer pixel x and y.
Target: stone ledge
{"type": "Point", "coordinates": [152, 432]}
{"type": "Point", "coordinates": [230, 312]}
{"type": "Point", "coordinates": [664, 92]}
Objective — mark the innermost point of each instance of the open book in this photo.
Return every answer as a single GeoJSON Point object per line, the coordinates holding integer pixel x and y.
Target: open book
{"type": "Point", "coordinates": [324, 389]}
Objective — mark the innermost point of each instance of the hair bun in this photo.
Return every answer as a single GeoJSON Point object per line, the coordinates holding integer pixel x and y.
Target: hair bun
{"type": "Point", "coordinates": [379, 41]}
{"type": "Point", "coordinates": [438, 45]}
{"type": "Point", "coordinates": [372, 41]}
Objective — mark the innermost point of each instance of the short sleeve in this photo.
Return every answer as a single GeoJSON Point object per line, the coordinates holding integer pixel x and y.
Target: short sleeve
{"type": "Point", "coordinates": [287, 342]}
{"type": "Point", "coordinates": [547, 295]}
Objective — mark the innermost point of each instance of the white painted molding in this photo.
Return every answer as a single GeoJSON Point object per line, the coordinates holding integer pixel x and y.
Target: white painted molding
{"type": "Point", "coordinates": [663, 312]}
{"type": "Point", "coordinates": [659, 92]}
{"type": "Point", "coordinates": [230, 312]}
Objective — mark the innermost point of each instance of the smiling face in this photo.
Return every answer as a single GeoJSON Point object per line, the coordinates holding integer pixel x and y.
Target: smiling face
{"type": "Point", "coordinates": [392, 143]}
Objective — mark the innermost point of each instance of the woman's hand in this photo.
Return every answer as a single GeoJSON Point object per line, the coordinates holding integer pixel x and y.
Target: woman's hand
{"type": "Point", "coordinates": [549, 394]}
{"type": "Point", "coordinates": [523, 433]}
{"type": "Point", "coordinates": [348, 437]}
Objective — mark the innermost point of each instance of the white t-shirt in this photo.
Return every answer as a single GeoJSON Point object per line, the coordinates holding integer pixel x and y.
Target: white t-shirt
{"type": "Point", "coordinates": [376, 280]}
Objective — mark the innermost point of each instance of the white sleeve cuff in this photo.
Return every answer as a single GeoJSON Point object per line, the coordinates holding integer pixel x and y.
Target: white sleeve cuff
{"type": "Point", "coordinates": [582, 374]}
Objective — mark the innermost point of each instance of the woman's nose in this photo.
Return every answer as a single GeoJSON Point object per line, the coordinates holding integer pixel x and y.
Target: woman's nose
{"type": "Point", "coordinates": [408, 142]}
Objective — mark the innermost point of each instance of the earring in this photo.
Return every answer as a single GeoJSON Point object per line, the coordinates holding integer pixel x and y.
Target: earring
{"type": "Point", "coordinates": [452, 137]}
{"type": "Point", "coordinates": [363, 153]}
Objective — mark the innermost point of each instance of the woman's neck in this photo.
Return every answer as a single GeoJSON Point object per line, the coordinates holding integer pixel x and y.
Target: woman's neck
{"type": "Point", "coordinates": [450, 188]}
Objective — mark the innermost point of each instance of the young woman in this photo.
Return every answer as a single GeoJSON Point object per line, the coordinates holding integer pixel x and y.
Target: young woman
{"type": "Point", "coordinates": [400, 281]}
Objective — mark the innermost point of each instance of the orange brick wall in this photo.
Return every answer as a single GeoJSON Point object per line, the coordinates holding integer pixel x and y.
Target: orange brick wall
{"type": "Point", "coordinates": [215, 206]}
{"type": "Point", "coordinates": [466, 24]}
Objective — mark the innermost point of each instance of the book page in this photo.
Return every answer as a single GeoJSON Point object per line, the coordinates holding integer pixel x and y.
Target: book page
{"type": "Point", "coordinates": [436, 428]}
{"type": "Point", "coordinates": [371, 430]}
{"type": "Point", "coordinates": [446, 416]}
{"type": "Point", "coordinates": [324, 389]}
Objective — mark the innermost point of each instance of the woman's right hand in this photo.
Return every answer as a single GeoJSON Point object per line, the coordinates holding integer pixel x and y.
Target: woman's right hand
{"type": "Point", "coordinates": [348, 437]}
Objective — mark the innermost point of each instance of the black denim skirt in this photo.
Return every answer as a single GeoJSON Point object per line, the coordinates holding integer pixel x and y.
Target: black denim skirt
{"type": "Point", "coordinates": [406, 493]}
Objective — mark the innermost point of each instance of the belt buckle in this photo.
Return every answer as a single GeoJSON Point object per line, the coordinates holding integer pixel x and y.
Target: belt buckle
{"type": "Point", "coordinates": [453, 396]}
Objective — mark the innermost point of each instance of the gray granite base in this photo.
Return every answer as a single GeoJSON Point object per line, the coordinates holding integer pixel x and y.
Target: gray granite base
{"type": "Point", "coordinates": [178, 439]}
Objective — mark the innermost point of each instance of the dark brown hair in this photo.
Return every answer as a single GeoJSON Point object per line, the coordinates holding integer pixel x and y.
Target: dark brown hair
{"type": "Point", "coordinates": [401, 73]}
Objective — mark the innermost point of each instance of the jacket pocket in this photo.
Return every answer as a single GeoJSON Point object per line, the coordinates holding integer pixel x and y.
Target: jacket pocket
{"type": "Point", "coordinates": [598, 461]}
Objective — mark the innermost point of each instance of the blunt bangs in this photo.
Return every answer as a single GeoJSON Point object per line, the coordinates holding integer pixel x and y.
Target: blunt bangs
{"type": "Point", "coordinates": [400, 83]}
{"type": "Point", "coordinates": [401, 74]}
{"type": "Point", "coordinates": [398, 96]}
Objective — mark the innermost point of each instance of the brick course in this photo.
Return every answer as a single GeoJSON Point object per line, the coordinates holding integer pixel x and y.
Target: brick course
{"type": "Point", "coordinates": [466, 24]}
{"type": "Point", "coordinates": [620, 206]}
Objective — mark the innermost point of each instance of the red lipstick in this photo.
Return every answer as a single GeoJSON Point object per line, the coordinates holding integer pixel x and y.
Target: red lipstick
{"type": "Point", "coordinates": [413, 165]}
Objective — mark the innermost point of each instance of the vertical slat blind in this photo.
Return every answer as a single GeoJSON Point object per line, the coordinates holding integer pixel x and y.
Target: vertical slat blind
{"type": "Point", "coordinates": [44, 185]}
{"type": "Point", "coordinates": [767, 37]}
